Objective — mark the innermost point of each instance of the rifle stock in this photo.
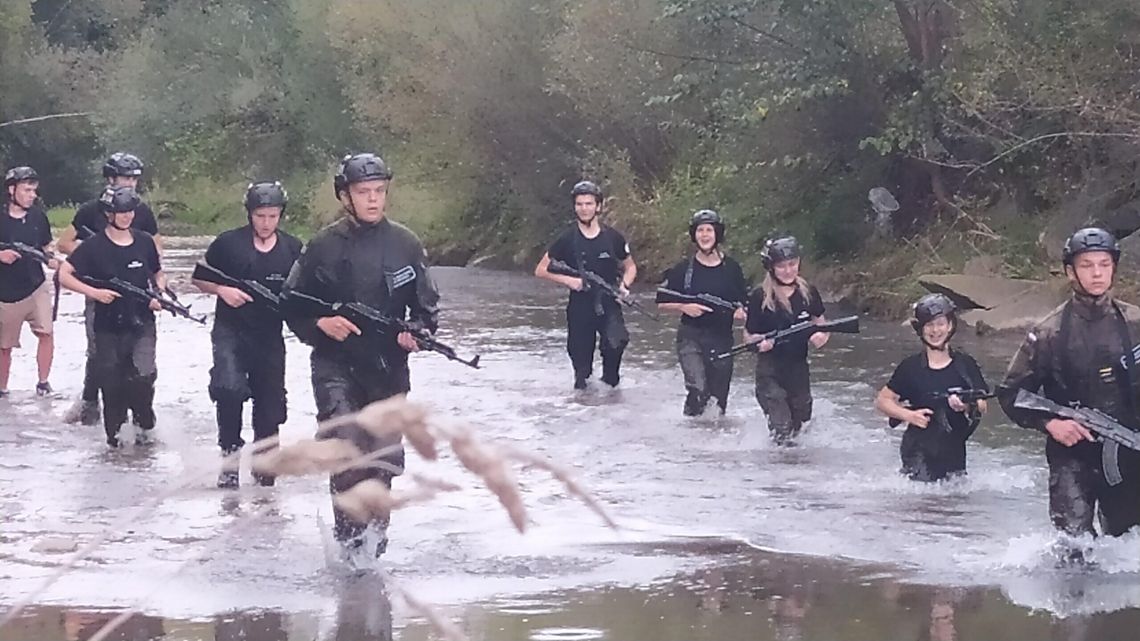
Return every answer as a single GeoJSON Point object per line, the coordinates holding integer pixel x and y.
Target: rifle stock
{"type": "Point", "coordinates": [371, 320]}
{"type": "Point", "coordinates": [968, 396]}
{"type": "Point", "coordinates": [715, 302]}
{"type": "Point", "coordinates": [845, 325]}
{"type": "Point", "coordinates": [143, 295]}
{"type": "Point", "coordinates": [594, 280]}
{"type": "Point", "coordinates": [205, 272]}
{"type": "Point", "coordinates": [1104, 425]}
{"type": "Point", "coordinates": [27, 251]}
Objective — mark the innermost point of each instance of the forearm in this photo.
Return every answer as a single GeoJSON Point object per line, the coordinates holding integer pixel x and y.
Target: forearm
{"type": "Point", "coordinates": [671, 307]}
{"type": "Point", "coordinates": [629, 273]}
{"type": "Point", "coordinates": [891, 408]}
{"type": "Point", "coordinates": [206, 287]}
{"type": "Point", "coordinates": [68, 279]}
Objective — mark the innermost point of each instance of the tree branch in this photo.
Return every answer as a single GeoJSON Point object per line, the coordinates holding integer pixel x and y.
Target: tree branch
{"type": "Point", "coordinates": [1061, 134]}
{"type": "Point", "coordinates": [769, 35]}
{"type": "Point", "coordinates": [22, 121]}
{"type": "Point", "coordinates": [685, 56]}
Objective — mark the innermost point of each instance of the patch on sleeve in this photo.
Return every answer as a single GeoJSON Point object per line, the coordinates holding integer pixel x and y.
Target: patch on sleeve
{"type": "Point", "coordinates": [627, 249]}
{"type": "Point", "coordinates": [1031, 337]}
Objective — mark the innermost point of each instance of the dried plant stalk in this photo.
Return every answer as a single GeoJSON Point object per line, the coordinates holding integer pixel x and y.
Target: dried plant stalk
{"type": "Point", "coordinates": [563, 475]}
{"type": "Point", "coordinates": [485, 463]}
{"type": "Point", "coordinates": [306, 457]}
{"type": "Point", "coordinates": [371, 499]}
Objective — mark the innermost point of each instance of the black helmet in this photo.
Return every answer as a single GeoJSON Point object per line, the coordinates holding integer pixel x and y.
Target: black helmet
{"type": "Point", "coordinates": [930, 307]}
{"type": "Point", "coordinates": [19, 174]}
{"type": "Point", "coordinates": [1090, 239]}
{"type": "Point", "coordinates": [779, 249]}
{"type": "Point", "coordinates": [117, 200]}
{"type": "Point", "coordinates": [122, 164]}
{"type": "Point", "coordinates": [585, 187]}
{"type": "Point", "coordinates": [358, 168]}
{"type": "Point", "coordinates": [706, 217]}
{"type": "Point", "coordinates": [265, 194]}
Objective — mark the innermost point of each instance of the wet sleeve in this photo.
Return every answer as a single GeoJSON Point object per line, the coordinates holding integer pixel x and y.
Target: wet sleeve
{"type": "Point", "coordinates": [755, 311]}
{"type": "Point", "coordinates": [621, 246]}
{"type": "Point", "coordinates": [302, 278]}
{"type": "Point", "coordinates": [424, 308]}
{"type": "Point", "coordinates": [152, 255]}
{"type": "Point", "coordinates": [560, 250]}
{"type": "Point", "coordinates": [215, 256]}
{"type": "Point", "coordinates": [815, 305]}
{"type": "Point", "coordinates": [1026, 371]}
{"type": "Point", "coordinates": [670, 280]}
{"type": "Point", "coordinates": [81, 259]}
{"type": "Point", "coordinates": [900, 381]}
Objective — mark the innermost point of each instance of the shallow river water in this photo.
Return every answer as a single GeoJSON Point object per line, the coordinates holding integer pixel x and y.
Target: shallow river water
{"type": "Point", "coordinates": [723, 535]}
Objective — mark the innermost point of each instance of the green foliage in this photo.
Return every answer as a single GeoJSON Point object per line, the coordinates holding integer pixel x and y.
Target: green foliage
{"type": "Point", "coordinates": [780, 113]}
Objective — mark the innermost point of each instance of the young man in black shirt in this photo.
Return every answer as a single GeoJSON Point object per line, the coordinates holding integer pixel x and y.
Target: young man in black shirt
{"type": "Point", "coordinates": [590, 313]}
{"type": "Point", "coordinates": [119, 170]}
{"type": "Point", "coordinates": [704, 330]}
{"type": "Point", "coordinates": [938, 424]}
{"type": "Point", "coordinates": [783, 378]}
{"type": "Point", "coordinates": [25, 295]}
{"type": "Point", "coordinates": [249, 351]}
{"type": "Point", "coordinates": [124, 328]}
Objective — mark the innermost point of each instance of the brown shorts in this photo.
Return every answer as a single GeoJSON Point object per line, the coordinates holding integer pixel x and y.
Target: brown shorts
{"type": "Point", "coordinates": [35, 310]}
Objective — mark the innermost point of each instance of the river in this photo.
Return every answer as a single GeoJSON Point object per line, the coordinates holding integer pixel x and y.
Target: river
{"type": "Point", "coordinates": [723, 535]}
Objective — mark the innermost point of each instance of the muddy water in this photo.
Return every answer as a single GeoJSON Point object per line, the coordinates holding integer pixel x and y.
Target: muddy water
{"type": "Point", "coordinates": [724, 536]}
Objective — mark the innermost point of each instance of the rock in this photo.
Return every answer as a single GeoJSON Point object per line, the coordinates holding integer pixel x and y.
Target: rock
{"type": "Point", "coordinates": [55, 545]}
{"type": "Point", "coordinates": [1105, 199]}
{"type": "Point", "coordinates": [1020, 311]}
{"type": "Point", "coordinates": [976, 292]}
{"type": "Point", "coordinates": [1129, 266]}
{"type": "Point", "coordinates": [993, 303]}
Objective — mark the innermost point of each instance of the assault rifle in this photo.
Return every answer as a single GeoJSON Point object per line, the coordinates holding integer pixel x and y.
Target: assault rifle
{"type": "Point", "coordinates": [593, 280]}
{"type": "Point", "coordinates": [846, 325]}
{"type": "Point", "coordinates": [123, 288]}
{"type": "Point", "coordinates": [1102, 424]}
{"type": "Point", "coordinates": [26, 251]}
{"type": "Point", "coordinates": [258, 292]}
{"type": "Point", "coordinates": [1095, 420]}
{"type": "Point", "coordinates": [716, 303]}
{"type": "Point", "coordinates": [968, 396]}
{"type": "Point", "coordinates": [371, 320]}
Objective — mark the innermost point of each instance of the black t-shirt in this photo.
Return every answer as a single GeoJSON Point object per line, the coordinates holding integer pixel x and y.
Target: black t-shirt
{"type": "Point", "coordinates": [762, 320]}
{"type": "Point", "coordinates": [914, 381]}
{"type": "Point", "coordinates": [725, 280]}
{"type": "Point", "coordinates": [99, 257]}
{"type": "Point", "coordinates": [601, 254]}
{"type": "Point", "coordinates": [21, 278]}
{"type": "Point", "coordinates": [233, 253]}
{"type": "Point", "coordinates": [90, 215]}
